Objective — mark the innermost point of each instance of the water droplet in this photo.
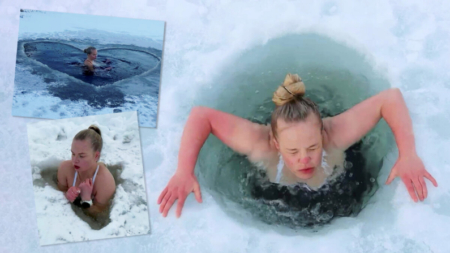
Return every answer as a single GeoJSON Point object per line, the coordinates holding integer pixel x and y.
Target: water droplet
{"type": "Point", "coordinates": [372, 179]}
{"type": "Point", "coordinates": [348, 164]}
{"type": "Point", "coordinates": [350, 175]}
{"type": "Point", "coordinates": [357, 183]}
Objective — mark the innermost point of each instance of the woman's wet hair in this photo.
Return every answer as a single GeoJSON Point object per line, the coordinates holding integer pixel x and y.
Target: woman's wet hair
{"type": "Point", "coordinates": [89, 50]}
{"type": "Point", "coordinates": [291, 105]}
{"type": "Point", "coordinates": [94, 134]}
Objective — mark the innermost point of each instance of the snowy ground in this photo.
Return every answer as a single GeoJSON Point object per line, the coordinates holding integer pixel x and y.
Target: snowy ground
{"type": "Point", "coordinates": [408, 41]}
{"type": "Point", "coordinates": [49, 144]}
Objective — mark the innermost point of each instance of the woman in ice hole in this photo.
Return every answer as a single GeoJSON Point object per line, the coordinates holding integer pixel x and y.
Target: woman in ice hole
{"type": "Point", "coordinates": [86, 182]}
{"type": "Point", "coordinates": [298, 146]}
{"type": "Point", "coordinates": [89, 63]}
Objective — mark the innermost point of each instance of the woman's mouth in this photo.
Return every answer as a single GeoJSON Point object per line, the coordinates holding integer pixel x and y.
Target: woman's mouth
{"type": "Point", "coordinates": [76, 167]}
{"type": "Point", "coordinates": [308, 171]}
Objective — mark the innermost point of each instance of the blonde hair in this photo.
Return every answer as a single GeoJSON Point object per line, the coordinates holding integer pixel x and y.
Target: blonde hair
{"type": "Point", "coordinates": [94, 134]}
{"type": "Point", "coordinates": [89, 50]}
{"type": "Point", "coordinates": [291, 105]}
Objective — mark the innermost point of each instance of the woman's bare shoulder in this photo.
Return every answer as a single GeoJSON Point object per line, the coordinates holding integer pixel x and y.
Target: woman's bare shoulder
{"type": "Point", "coordinates": [104, 184]}
{"type": "Point", "coordinates": [104, 174]}
{"type": "Point", "coordinates": [65, 166]}
{"type": "Point", "coordinates": [265, 154]}
{"type": "Point", "coordinates": [265, 148]}
{"type": "Point", "coordinates": [327, 134]}
{"type": "Point", "coordinates": [64, 170]}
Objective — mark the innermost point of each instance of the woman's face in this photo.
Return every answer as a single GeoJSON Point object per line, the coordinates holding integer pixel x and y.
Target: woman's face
{"type": "Point", "coordinates": [300, 145]}
{"type": "Point", "coordinates": [83, 157]}
{"type": "Point", "coordinates": [93, 55]}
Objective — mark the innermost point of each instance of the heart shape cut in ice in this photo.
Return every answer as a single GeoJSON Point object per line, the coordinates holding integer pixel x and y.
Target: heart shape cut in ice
{"type": "Point", "coordinates": [111, 65]}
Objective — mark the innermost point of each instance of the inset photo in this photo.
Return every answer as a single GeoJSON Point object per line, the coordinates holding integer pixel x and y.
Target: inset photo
{"type": "Point", "coordinates": [88, 178]}
{"type": "Point", "coordinates": [75, 65]}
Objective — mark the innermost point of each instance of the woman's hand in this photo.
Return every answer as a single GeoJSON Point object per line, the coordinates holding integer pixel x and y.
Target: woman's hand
{"type": "Point", "coordinates": [412, 172]}
{"type": "Point", "coordinates": [72, 193]}
{"type": "Point", "coordinates": [179, 187]}
{"type": "Point", "coordinates": [86, 189]}
{"type": "Point", "coordinates": [241, 135]}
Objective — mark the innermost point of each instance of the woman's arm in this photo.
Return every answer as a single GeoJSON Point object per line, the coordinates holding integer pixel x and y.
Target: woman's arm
{"type": "Point", "coordinates": [62, 181]}
{"type": "Point", "coordinates": [98, 207]}
{"type": "Point", "coordinates": [350, 126]}
{"type": "Point", "coordinates": [237, 133]}
{"type": "Point", "coordinates": [106, 189]}
{"type": "Point", "coordinates": [62, 176]}
{"type": "Point", "coordinates": [345, 129]}
{"type": "Point", "coordinates": [70, 192]}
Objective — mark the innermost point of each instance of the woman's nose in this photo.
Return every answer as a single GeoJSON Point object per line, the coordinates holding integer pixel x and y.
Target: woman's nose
{"type": "Point", "coordinates": [305, 160]}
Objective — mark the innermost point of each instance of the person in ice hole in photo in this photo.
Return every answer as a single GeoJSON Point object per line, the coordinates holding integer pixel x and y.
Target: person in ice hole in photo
{"type": "Point", "coordinates": [86, 182]}
{"type": "Point", "coordinates": [90, 65]}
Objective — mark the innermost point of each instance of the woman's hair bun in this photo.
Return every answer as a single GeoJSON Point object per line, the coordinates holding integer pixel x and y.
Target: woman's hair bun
{"type": "Point", "coordinates": [89, 50]}
{"type": "Point", "coordinates": [291, 89]}
{"type": "Point", "coordinates": [96, 129]}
